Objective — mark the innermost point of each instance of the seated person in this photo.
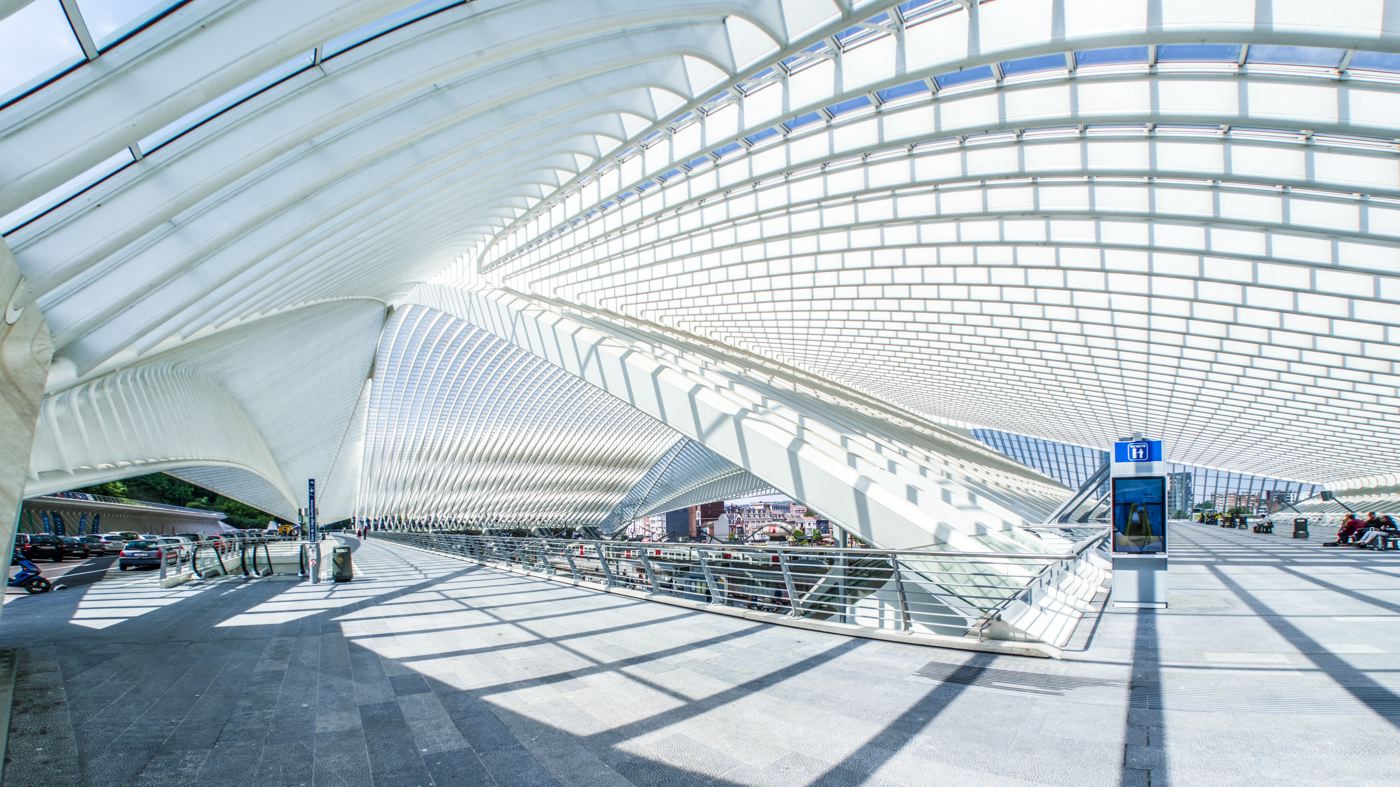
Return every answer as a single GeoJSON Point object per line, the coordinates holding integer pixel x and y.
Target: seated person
{"type": "Point", "coordinates": [1351, 527]}
{"type": "Point", "coordinates": [1376, 526]}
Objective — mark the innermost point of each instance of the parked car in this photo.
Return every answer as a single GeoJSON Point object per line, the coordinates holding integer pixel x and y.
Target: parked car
{"type": "Point", "coordinates": [140, 553]}
{"type": "Point", "coordinates": [126, 535]}
{"type": "Point", "coordinates": [39, 545]}
{"type": "Point", "coordinates": [72, 545]}
{"type": "Point", "coordinates": [101, 545]}
{"type": "Point", "coordinates": [114, 542]}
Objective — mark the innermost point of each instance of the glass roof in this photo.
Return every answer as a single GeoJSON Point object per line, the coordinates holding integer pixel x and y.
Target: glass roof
{"type": "Point", "coordinates": [36, 43]}
{"type": "Point", "coordinates": [109, 20]}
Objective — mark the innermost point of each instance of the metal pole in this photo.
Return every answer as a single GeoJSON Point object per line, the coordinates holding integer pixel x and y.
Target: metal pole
{"type": "Point", "coordinates": [715, 592]}
{"type": "Point", "coordinates": [651, 575]}
{"type": "Point", "coordinates": [905, 621]}
{"type": "Point", "coordinates": [787, 581]}
{"type": "Point", "coordinates": [603, 562]}
{"type": "Point", "coordinates": [843, 563]}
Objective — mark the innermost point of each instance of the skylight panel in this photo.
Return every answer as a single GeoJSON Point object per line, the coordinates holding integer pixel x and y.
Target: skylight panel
{"type": "Point", "coordinates": [226, 102]}
{"type": "Point", "coordinates": [385, 24]}
{"type": "Point", "coordinates": [759, 136]}
{"type": "Point", "coordinates": [1295, 55]}
{"type": "Point", "coordinates": [900, 91]}
{"type": "Point", "coordinates": [849, 105]}
{"type": "Point", "coordinates": [725, 150]}
{"type": "Point", "coordinates": [806, 57]}
{"type": "Point", "coordinates": [858, 34]}
{"type": "Point", "coordinates": [1027, 65]}
{"type": "Point", "coordinates": [36, 44]}
{"type": "Point", "coordinates": [802, 120]}
{"type": "Point", "coordinates": [918, 10]}
{"type": "Point", "coordinates": [757, 81]}
{"type": "Point", "coordinates": [36, 208]}
{"type": "Point", "coordinates": [1198, 53]}
{"type": "Point", "coordinates": [111, 20]}
{"type": "Point", "coordinates": [963, 77]}
{"type": "Point", "coordinates": [1376, 61]}
{"type": "Point", "coordinates": [1117, 55]}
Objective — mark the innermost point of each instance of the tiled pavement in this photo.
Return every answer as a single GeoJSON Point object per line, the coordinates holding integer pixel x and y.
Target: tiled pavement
{"type": "Point", "coordinates": [1277, 663]}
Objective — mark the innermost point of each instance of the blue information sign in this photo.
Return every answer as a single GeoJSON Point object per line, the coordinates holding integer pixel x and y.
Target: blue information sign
{"type": "Point", "coordinates": [311, 509]}
{"type": "Point", "coordinates": [1138, 451]}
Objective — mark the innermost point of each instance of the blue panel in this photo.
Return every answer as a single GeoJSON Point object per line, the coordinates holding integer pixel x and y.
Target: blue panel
{"type": "Point", "coordinates": [1117, 54]}
{"type": "Point", "coordinates": [1211, 53]}
{"type": "Point", "coordinates": [1138, 451]}
{"type": "Point", "coordinates": [1376, 61]}
{"type": "Point", "coordinates": [1027, 65]}
{"type": "Point", "coordinates": [899, 91]}
{"type": "Point", "coordinates": [1295, 55]}
{"type": "Point", "coordinates": [963, 77]}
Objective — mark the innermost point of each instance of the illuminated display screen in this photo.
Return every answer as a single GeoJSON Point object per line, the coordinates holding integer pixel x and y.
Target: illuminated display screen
{"type": "Point", "coordinates": [1140, 515]}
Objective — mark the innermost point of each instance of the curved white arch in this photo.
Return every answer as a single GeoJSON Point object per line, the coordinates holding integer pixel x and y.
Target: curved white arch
{"type": "Point", "coordinates": [1207, 251]}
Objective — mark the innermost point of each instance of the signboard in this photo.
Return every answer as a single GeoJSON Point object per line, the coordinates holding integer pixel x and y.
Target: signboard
{"type": "Point", "coordinates": [311, 509]}
{"type": "Point", "coordinates": [1140, 516]}
{"type": "Point", "coordinates": [313, 552]}
{"type": "Point", "coordinates": [1137, 451]}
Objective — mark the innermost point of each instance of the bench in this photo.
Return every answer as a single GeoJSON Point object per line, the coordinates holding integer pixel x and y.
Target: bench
{"type": "Point", "coordinates": [1264, 527]}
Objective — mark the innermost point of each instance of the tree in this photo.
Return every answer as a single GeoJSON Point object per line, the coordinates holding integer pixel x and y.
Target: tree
{"type": "Point", "coordinates": [161, 488]}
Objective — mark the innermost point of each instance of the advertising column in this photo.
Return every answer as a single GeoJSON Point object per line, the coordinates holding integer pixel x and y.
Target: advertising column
{"type": "Point", "coordinates": [1139, 495]}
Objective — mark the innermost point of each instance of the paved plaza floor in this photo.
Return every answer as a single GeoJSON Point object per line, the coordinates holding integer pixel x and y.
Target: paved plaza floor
{"type": "Point", "coordinates": [1277, 663]}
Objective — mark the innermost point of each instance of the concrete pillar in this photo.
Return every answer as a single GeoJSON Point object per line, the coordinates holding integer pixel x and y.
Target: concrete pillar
{"type": "Point", "coordinates": [26, 347]}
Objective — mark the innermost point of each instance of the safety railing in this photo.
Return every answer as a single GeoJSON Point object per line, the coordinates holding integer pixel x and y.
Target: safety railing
{"type": "Point", "coordinates": [931, 591]}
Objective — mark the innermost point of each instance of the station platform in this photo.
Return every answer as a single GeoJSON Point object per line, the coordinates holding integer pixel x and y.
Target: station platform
{"type": "Point", "coordinates": [1277, 661]}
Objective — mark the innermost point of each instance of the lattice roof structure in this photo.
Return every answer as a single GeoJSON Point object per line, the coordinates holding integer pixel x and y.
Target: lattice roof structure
{"type": "Point", "coordinates": [358, 241]}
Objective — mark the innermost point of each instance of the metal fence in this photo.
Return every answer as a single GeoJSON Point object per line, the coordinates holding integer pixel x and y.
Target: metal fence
{"type": "Point", "coordinates": [937, 592]}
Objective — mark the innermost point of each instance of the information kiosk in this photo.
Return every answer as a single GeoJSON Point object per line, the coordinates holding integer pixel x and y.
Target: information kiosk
{"type": "Point", "coordinates": [1139, 490]}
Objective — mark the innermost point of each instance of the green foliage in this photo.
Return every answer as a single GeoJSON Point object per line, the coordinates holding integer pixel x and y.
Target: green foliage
{"type": "Point", "coordinates": [161, 488]}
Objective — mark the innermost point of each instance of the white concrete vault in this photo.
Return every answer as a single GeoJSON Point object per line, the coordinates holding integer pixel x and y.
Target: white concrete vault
{"type": "Point", "coordinates": [640, 252]}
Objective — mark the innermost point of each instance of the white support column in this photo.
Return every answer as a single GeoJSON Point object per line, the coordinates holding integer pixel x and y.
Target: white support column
{"type": "Point", "coordinates": [25, 351]}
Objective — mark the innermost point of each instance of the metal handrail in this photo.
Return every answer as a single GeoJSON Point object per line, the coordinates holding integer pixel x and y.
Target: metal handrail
{"type": "Point", "coordinates": [1040, 580]}
{"type": "Point", "coordinates": [935, 591]}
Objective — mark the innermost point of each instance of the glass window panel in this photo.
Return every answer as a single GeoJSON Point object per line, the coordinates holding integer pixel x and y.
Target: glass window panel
{"type": "Point", "coordinates": [802, 120]}
{"type": "Point", "coordinates": [110, 20]}
{"type": "Point", "coordinates": [963, 77]}
{"type": "Point", "coordinates": [913, 10]}
{"type": "Point", "coordinates": [849, 105]}
{"type": "Point", "coordinates": [35, 44]}
{"type": "Point", "coordinates": [1212, 53]}
{"type": "Point", "coordinates": [1376, 61]}
{"type": "Point", "coordinates": [1295, 55]}
{"type": "Point", "coordinates": [1027, 65]}
{"type": "Point", "coordinates": [384, 24]}
{"type": "Point", "coordinates": [63, 193]}
{"type": "Point", "coordinates": [757, 137]}
{"type": "Point", "coordinates": [1111, 56]}
{"type": "Point", "coordinates": [900, 91]}
{"type": "Point", "coordinates": [241, 93]}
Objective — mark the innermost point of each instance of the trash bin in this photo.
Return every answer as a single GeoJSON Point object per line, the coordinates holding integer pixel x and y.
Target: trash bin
{"type": "Point", "coordinates": [1300, 528]}
{"type": "Point", "coordinates": [341, 568]}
